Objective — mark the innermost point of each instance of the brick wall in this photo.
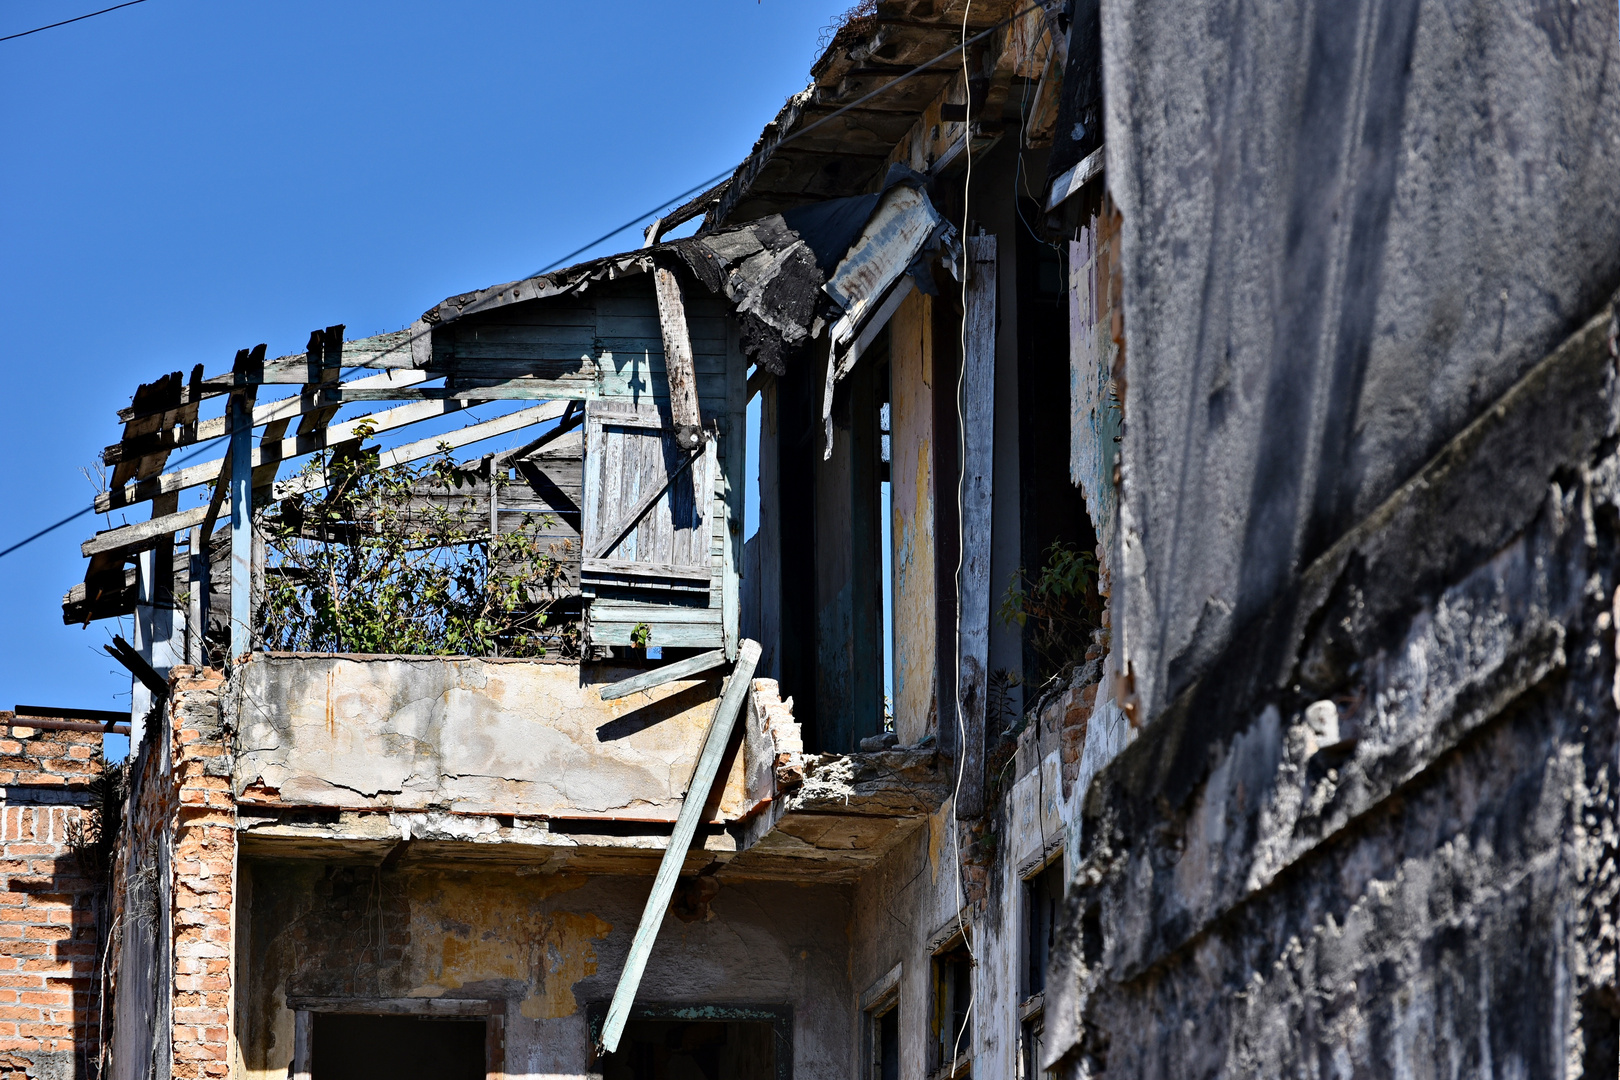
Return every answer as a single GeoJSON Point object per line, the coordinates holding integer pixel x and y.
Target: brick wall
{"type": "Point", "coordinates": [204, 878]}
{"type": "Point", "coordinates": [49, 904]}
{"type": "Point", "coordinates": [174, 949]}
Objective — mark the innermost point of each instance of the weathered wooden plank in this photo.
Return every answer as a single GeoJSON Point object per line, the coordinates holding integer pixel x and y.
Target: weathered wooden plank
{"type": "Point", "coordinates": [129, 538]}
{"type": "Point", "coordinates": [654, 492]}
{"type": "Point", "coordinates": [978, 437]}
{"type": "Point", "coordinates": [241, 502]}
{"type": "Point", "coordinates": [389, 351]}
{"type": "Point", "coordinates": [768, 589]}
{"type": "Point", "coordinates": [282, 450]}
{"type": "Point", "coordinates": [283, 408]}
{"type": "Point", "coordinates": [1078, 176]}
{"type": "Point", "coordinates": [680, 841]}
{"type": "Point", "coordinates": [915, 603]}
{"type": "Point", "coordinates": [679, 370]}
{"type": "Point", "coordinates": [512, 390]}
{"type": "Point", "coordinates": [632, 612]}
{"type": "Point", "coordinates": [450, 440]}
{"type": "Point", "coordinates": [730, 466]}
{"type": "Point", "coordinates": [681, 669]}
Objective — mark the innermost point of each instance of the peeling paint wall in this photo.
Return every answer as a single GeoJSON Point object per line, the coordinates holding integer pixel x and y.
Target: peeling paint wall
{"type": "Point", "coordinates": [543, 944]}
{"type": "Point", "coordinates": [524, 738]}
{"type": "Point", "coordinates": [911, 463]}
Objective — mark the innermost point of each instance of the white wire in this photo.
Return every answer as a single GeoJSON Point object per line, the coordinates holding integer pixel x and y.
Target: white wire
{"type": "Point", "coordinates": [961, 485]}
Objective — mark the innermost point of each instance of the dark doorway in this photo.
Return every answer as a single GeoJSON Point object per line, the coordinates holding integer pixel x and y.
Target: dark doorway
{"type": "Point", "coordinates": [354, 1047]}
{"type": "Point", "coordinates": [694, 1050]}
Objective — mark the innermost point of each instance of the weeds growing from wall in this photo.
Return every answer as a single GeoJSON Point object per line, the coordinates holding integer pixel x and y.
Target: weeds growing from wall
{"type": "Point", "coordinates": [93, 836]}
{"type": "Point", "coordinates": [1057, 608]}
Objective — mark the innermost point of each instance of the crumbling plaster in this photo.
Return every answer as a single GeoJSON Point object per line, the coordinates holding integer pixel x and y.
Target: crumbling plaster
{"type": "Point", "coordinates": [471, 736]}
{"type": "Point", "coordinates": [1381, 834]}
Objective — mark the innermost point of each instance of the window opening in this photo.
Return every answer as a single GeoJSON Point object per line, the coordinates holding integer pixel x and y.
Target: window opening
{"type": "Point", "coordinates": [664, 1042]}
{"type": "Point", "coordinates": [350, 1046]}
{"type": "Point", "coordinates": [953, 994]}
{"type": "Point", "coordinates": [1043, 903]}
{"type": "Point", "coordinates": [886, 1044]}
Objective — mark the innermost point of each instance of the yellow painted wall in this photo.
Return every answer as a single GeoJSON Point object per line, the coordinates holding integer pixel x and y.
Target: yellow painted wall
{"type": "Point", "coordinates": [911, 389]}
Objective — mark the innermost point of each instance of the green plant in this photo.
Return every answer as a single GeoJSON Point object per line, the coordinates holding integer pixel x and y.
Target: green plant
{"type": "Point", "coordinates": [397, 560]}
{"type": "Point", "coordinates": [93, 836]}
{"type": "Point", "coordinates": [1057, 607]}
{"type": "Point", "coordinates": [640, 636]}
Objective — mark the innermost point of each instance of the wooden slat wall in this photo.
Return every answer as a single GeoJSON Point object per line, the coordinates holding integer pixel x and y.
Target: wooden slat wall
{"type": "Point", "coordinates": [607, 344]}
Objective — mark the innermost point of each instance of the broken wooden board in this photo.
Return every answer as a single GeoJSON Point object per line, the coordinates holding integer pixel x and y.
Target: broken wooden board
{"type": "Point", "coordinates": [669, 868]}
{"type": "Point", "coordinates": [678, 363]}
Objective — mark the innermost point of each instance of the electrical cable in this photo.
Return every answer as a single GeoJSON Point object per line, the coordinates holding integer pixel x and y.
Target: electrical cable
{"type": "Point", "coordinates": [961, 524]}
{"type": "Point", "coordinates": [77, 514]}
{"type": "Point", "coordinates": [64, 22]}
{"type": "Point", "coordinates": [835, 114]}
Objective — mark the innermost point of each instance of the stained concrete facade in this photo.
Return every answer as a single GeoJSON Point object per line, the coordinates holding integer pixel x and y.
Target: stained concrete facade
{"type": "Point", "coordinates": [541, 945]}
{"type": "Point", "coordinates": [1325, 778]}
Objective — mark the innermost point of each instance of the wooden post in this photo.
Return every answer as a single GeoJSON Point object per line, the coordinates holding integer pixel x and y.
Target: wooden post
{"type": "Point", "coordinates": [678, 363]}
{"type": "Point", "coordinates": [979, 438]}
{"type": "Point", "coordinates": [197, 603]}
{"type": "Point", "coordinates": [241, 495]}
{"type": "Point", "coordinates": [686, 823]}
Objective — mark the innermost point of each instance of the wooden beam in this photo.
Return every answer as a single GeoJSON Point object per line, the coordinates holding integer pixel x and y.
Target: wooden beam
{"type": "Point", "coordinates": [269, 412]}
{"type": "Point", "coordinates": [104, 718]}
{"type": "Point", "coordinates": [450, 440]}
{"type": "Point", "coordinates": [116, 727]}
{"type": "Point", "coordinates": [132, 537]}
{"type": "Point", "coordinates": [334, 435]}
{"type": "Point", "coordinates": [128, 538]}
{"type": "Point", "coordinates": [1077, 177]}
{"type": "Point", "coordinates": [241, 499]}
{"type": "Point", "coordinates": [126, 654]}
{"type": "Point", "coordinates": [680, 841]}
{"type": "Point", "coordinates": [979, 439]}
{"type": "Point", "coordinates": [678, 364]}
{"type": "Point", "coordinates": [681, 669]}
{"type": "Point", "coordinates": [507, 390]}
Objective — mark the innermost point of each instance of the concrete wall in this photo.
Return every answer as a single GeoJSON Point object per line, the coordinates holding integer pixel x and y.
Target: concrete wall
{"type": "Point", "coordinates": [544, 944]}
{"type": "Point", "coordinates": [1349, 225]}
{"type": "Point", "coordinates": [908, 906]}
{"type": "Point", "coordinates": [1378, 839]}
{"type": "Point", "coordinates": [489, 736]}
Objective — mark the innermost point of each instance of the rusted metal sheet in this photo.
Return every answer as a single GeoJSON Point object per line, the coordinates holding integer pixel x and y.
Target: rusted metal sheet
{"type": "Point", "coordinates": [897, 230]}
{"type": "Point", "coordinates": [864, 283]}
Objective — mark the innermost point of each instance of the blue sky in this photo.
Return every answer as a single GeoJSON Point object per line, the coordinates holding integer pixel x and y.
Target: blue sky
{"type": "Point", "coordinates": [182, 179]}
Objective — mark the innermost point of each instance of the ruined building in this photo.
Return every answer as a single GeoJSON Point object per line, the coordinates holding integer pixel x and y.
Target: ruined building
{"type": "Point", "coordinates": [1096, 558]}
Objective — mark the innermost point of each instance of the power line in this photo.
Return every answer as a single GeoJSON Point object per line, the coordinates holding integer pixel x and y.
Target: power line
{"type": "Point", "coordinates": [47, 529]}
{"type": "Point", "coordinates": [862, 100]}
{"type": "Point", "coordinates": [77, 514]}
{"type": "Point", "coordinates": [693, 190]}
{"type": "Point", "coordinates": [64, 22]}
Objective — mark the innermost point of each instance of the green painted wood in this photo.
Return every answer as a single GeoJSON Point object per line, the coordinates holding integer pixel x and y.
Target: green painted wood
{"type": "Point", "coordinates": [681, 669]}
{"type": "Point", "coordinates": [680, 842]}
